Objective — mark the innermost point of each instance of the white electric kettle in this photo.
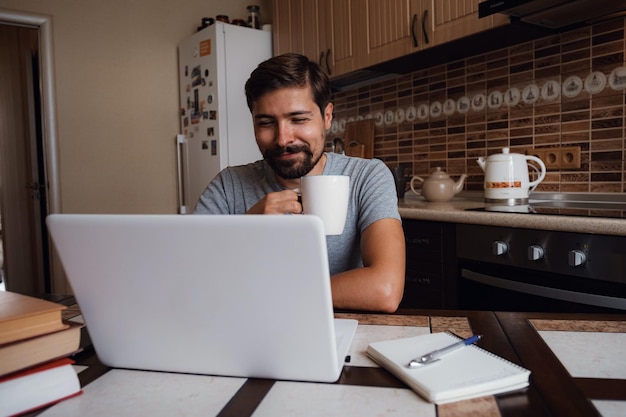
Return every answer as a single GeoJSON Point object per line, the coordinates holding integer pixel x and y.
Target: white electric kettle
{"type": "Point", "coordinates": [506, 177]}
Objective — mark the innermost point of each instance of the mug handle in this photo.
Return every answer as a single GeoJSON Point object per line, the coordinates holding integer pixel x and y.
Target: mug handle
{"type": "Point", "coordinates": [420, 179]}
{"type": "Point", "coordinates": [542, 174]}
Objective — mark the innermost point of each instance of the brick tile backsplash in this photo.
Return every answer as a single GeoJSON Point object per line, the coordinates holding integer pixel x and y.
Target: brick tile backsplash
{"type": "Point", "coordinates": [567, 89]}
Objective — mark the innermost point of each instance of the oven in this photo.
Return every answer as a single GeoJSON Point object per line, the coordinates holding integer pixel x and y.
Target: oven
{"type": "Point", "coordinates": [514, 269]}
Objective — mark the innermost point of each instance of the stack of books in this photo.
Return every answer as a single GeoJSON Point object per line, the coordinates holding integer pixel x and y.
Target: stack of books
{"type": "Point", "coordinates": [35, 345]}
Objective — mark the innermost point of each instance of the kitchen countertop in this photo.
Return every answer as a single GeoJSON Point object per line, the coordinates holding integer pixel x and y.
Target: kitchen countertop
{"type": "Point", "coordinates": [455, 211]}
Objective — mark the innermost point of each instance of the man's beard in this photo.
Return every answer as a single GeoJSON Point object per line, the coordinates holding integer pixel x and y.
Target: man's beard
{"type": "Point", "coordinates": [291, 169]}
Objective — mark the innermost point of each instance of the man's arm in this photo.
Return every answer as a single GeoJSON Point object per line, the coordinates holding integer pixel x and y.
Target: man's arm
{"type": "Point", "coordinates": [379, 285]}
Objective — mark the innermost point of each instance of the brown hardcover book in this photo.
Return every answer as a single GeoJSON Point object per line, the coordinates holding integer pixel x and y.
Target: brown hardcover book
{"type": "Point", "coordinates": [22, 317]}
{"type": "Point", "coordinates": [22, 354]}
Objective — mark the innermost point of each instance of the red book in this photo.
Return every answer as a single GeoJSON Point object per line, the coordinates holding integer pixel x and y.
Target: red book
{"type": "Point", "coordinates": [38, 387]}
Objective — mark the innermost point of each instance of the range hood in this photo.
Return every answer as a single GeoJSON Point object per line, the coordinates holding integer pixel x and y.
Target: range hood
{"type": "Point", "coordinates": [554, 14]}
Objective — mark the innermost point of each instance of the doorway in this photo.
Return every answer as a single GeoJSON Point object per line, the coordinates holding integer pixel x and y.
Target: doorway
{"type": "Point", "coordinates": [28, 168]}
{"type": "Point", "coordinates": [22, 173]}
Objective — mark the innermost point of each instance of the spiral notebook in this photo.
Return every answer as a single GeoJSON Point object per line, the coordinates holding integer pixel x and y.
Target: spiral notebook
{"type": "Point", "coordinates": [467, 373]}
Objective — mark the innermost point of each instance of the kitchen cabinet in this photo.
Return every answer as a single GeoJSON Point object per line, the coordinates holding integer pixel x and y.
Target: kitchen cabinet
{"type": "Point", "coordinates": [393, 28]}
{"type": "Point", "coordinates": [456, 19]}
{"type": "Point", "coordinates": [307, 26]}
{"type": "Point", "coordinates": [431, 270]}
{"type": "Point", "coordinates": [296, 27]}
{"type": "Point", "coordinates": [348, 35]}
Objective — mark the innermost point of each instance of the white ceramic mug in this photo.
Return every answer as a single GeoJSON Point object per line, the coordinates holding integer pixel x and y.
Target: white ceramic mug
{"type": "Point", "coordinates": [326, 196]}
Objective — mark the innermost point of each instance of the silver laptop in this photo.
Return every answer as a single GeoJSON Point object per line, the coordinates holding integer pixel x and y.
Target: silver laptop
{"type": "Point", "coordinates": [245, 296]}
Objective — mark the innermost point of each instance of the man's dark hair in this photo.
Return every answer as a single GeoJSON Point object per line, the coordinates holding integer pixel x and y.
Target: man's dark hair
{"type": "Point", "coordinates": [288, 71]}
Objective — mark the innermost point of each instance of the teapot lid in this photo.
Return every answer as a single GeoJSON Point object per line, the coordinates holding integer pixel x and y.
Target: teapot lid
{"type": "Point", "coordinates": [438, 173]}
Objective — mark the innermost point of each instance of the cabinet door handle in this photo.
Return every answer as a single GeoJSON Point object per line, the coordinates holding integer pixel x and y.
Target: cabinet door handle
{"type": "Point", "coordinates": [413, 34]}
{"type": "Point", "coordinates": [424, 241]}
{"type": "Point", "coordinates": [328, 62]}
{"type": "Point", "coordinates": [424, 30]}
{"type": "Point", "coordinates": [321, 60]}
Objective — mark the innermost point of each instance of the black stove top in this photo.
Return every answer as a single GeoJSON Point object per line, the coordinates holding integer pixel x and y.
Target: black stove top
{"type": "Point", "coordinates": [568, 204]}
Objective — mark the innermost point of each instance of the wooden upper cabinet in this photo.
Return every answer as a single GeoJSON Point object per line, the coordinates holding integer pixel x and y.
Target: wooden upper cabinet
{"type": "Point", "coordinates": [347, 35]}
{"type": "Point", "coordinates": [296, 27]}
{"type": "Point", "coordinates": [393, 28]}
{"type": "Point", "coordinates": [345, 55]}
{"type": "Point", "coordinates": [454, 19]}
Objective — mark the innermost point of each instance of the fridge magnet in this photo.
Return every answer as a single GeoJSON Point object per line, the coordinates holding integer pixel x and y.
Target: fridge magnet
{"type": "Point", "coordinates": [572, 86]}
{"type": "Point", "coordinates": [209, 98]}
{"type": "Point", "coordinates": [617, 79]}
{"type": "Point", "coordinates": [210, 131]}
{"type": "Point", "coordinates": [205, 47]}
{"type": "Point", "coordinates": [205, 144]}
{"type": "Point", "coordinates": [214, 147]}
{"type": "Point", "coordinates": [205, 115]}
{"type": "Point", "coordinates": [213, 115]}
{"type": "Point", "coordinates": [196, 76]}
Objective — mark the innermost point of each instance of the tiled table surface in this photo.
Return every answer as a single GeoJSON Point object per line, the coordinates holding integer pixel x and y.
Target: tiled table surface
{"type": "Point", "coordinates": [550, 345]}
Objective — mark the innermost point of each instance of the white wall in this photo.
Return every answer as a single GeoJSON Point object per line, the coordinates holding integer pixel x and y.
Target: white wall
{"type": "Point", "coordinates": [117, 96]}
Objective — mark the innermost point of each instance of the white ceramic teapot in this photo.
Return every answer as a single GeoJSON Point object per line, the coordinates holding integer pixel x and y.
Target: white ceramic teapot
{"type": "Point", "coordinates": [506, 177]}
{"type": "Point", "coordinates": [438, 186]}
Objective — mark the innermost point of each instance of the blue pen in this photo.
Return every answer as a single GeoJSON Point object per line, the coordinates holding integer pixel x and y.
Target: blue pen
{"type": "Point", "coordinates": [435, 355]}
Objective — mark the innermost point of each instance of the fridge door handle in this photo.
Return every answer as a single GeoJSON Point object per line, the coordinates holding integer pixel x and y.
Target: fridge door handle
{"type": "Point", "coordinates": [181, 140]}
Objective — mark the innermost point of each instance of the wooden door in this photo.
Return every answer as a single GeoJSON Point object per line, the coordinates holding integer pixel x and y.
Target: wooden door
{"type": "Point", "coordinates": [23, 205]}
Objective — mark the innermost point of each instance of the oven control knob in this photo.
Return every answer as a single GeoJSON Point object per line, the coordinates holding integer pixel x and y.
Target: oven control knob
{"type": "Point", "coordinates": [576, 258]}
{"type": "Point", "coordinates": [535, 253]}
{"type": "Point", "coordinates": [499, 248]}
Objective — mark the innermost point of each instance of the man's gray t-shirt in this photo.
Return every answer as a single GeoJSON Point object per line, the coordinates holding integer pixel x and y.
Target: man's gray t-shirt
{"type": "Point", "coordinates": [372, 197]}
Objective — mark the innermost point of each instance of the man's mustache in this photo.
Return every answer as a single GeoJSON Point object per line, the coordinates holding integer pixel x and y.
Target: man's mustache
{"type": "Point", "coordinates": [281, 150]}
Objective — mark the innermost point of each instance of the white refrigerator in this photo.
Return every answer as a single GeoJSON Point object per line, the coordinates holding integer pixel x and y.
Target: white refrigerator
{"type": "Point", "coordinates": [216, 125]}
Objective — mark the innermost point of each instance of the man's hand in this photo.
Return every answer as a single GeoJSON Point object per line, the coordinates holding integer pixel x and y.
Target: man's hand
{"type": "Point", "coordinates": [280, 202]}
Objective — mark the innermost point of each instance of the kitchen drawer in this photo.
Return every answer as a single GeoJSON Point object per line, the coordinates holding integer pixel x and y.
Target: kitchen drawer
{"type": "Point", "coordinates": [429, 241]}
{"type": "Point", "coordinates": [423, 287]}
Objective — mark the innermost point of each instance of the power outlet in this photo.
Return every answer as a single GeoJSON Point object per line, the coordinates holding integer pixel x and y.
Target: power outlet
{"type": "Point", "coordinates": [570, 157]}
{"type": "Point", "coordinates": [567, 157]}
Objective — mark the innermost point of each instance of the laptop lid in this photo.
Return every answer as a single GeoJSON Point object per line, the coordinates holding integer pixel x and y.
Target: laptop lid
{"type": "Point", "coordinates": [236, 295]}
